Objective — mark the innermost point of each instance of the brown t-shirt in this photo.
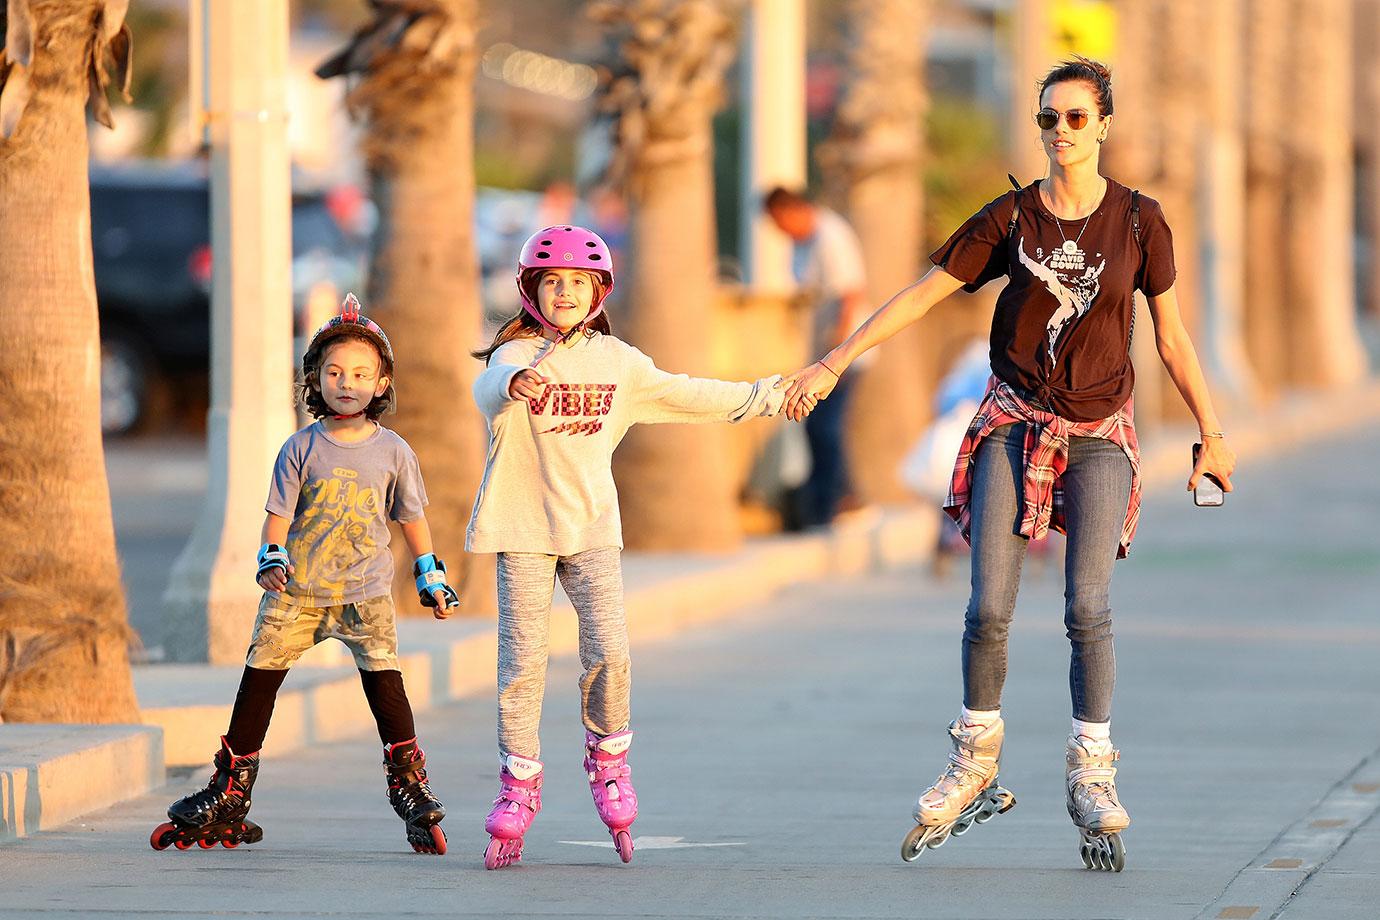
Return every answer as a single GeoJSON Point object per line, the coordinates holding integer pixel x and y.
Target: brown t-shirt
{"type": "Point", "coordinates": [1062, 328]}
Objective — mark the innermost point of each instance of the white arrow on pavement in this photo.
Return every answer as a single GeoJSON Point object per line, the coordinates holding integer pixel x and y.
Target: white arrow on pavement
{"type": "Point", "coordinates": [652, 843]}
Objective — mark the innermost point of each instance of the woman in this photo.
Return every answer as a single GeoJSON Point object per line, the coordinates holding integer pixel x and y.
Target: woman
{"type": "Point", "coordinates": [1052, 444]}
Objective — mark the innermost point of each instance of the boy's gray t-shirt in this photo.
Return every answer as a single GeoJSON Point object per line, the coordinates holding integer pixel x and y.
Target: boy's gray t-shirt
{"type": "Point", "coordinates": [340, 497]}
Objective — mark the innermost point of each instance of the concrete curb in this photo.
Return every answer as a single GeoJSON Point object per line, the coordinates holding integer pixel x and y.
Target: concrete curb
{"type": "Point", "coordinates": [665, 595]}
{"type": "Point", "coordinates": [50, 774]}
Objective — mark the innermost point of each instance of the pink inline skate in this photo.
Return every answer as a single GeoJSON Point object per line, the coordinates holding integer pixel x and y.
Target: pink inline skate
{"type": "Point", "coordinates": [610, 781]}
{"type": "Point", "coordinates": [519, 800]}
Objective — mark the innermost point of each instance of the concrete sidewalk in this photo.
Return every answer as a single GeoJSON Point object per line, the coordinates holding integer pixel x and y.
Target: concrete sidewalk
{"type": "Point", "coordinates": [445, 661]}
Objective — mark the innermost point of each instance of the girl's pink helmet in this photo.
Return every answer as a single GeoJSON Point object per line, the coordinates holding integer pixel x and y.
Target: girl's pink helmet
{"type": "Point", "coordinates": [565, 246]}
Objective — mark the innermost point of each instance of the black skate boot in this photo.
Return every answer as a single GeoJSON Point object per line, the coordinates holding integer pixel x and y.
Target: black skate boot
{"type": "Point", "coordinates": [411, 797]}
{"type": "Point", "coordinates": [217, 813]}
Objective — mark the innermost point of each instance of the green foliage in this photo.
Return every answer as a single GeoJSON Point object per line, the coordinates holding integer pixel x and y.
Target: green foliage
{"type": "Point", "coordinates": [160, 71]}
{"type": "Point", "coordinates": [964, 165]}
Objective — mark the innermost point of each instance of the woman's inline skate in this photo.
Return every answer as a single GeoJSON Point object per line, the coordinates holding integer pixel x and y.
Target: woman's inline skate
{"type": "Point", "coordinates": [519, 800]}
{"type": "Point", "coordinates": [1092, 802]}
{"type": "Point", "coordinates": [610, 782]}
{"type": "Point", "coordinates": [411, 797]}
{"type": "Point", "coordinates": [216, 814]}
{"type": "Point", "coordinates": [965, 793]}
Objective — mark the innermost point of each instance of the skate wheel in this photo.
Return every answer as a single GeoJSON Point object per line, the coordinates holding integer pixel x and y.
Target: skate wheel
{"type": "Point", "coordinates": [162, 835]}
{"type": "Point", "coordinates": [962, 825]}
{"type": "Point", "coordinates": [938, 838]}
{"type": "Point", "coordinates": [914, 844]}
{"type": "Point", "coordinates": [230, 843]}
{"type": "Point", "coordinates": [438, 840]}
{"type": "Point", "coordinates": [502, 852]}
{"type": "Point", "coordinates": [622, 841]}
{"type": "Point", "coordinates": [1086, 852]}
{"type": "Point", "coordinates": [206, 844]}
{"type": "Point", "coordinates": [1117, 857]}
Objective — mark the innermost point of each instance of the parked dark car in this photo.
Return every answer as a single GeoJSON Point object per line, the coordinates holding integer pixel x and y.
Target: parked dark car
{"type": "Point", "coordinates": [150, 236]}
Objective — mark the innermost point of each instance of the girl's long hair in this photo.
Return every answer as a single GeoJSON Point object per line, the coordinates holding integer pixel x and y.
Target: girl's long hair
{"type": "Point", "coordinates": [525, 325]}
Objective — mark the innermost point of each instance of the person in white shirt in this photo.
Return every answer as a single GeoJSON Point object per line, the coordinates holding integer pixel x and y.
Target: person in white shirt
{"type": "Point", "coordinates": [559, 393]}
{"type": "Point", "coordinates": [827, 261]}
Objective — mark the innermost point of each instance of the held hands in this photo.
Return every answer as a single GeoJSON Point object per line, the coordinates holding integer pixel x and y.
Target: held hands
{"type": "Point", "coordinates": [1215, 458]}
{"type": "Point", "coordinates": [432, 589]}
{"type": "Point", "coordinates": [274, 568]}
{"type": "Point", "coordinates": [526, 384]}
{"type": "Point", "coordinates": [807, 387]}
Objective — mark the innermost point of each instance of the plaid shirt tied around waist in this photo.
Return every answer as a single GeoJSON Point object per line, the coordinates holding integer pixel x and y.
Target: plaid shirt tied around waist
{"type": "Point", "coordinates": [1044, 459]}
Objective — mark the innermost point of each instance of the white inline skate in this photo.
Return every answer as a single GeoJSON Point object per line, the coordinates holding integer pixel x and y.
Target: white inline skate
{"type": "Point", "coordinates": [965, 794]}
{"type": "Point", "coordinates": [1093, 804]}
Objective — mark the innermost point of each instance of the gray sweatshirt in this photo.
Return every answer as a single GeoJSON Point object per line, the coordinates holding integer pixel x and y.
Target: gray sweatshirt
{"type": "Point", "coordinates": [548, 480]}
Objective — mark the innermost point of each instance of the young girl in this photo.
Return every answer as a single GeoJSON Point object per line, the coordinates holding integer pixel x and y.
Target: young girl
{"type": "Point", "coordinates": [559, 393]}
{"type": "Point", "coordinates": [1053, 443]}
{"type": "Point", "coordinates": [326, 572]}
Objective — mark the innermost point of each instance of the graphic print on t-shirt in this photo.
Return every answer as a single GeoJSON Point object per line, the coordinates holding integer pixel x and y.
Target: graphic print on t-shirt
{"type": "Point", "coordinates": [1068, 276]}
{"type": "Point", "coordinates": [587, 402]}
{"type": "Point", "coordinates": [335, 522]}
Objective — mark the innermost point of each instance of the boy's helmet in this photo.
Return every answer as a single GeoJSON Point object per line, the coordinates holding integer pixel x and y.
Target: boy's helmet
{"type": "Point", "coordinates": [349, 322]}
{"type": "Point", "coordinates": [565, 246]}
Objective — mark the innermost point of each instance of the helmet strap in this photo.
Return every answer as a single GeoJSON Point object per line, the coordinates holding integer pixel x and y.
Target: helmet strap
{"type": "Point", "coordinates": [351, 415]}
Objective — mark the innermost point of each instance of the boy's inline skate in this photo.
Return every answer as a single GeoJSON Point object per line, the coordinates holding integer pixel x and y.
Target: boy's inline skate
{"type": "Point", "coordinates": [411, 797]}
{"type": "Point", "coordinates": [1093, 805]}
{"type": "Point", "coordinates": [217, 813]}
{"type": "Point", "coordinates": [965, 793]}
{"type": "Point", "coordinates": [610, 781]}
{"type": "Point", "coordinates": [519, 800]}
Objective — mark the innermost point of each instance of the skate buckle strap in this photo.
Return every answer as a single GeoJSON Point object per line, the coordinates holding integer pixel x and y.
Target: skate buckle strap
{"type": "Point", "coordinates": [517, 795]}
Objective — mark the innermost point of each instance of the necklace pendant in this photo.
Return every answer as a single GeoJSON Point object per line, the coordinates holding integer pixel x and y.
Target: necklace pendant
{"type": "Point", "coordinates": [1070, 247]}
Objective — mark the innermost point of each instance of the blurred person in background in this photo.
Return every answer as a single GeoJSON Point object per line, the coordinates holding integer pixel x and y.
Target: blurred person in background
{"type": "Point", "coordinates": [827, 261]}
{"type": "Point", "coordinates": [1052, 443]}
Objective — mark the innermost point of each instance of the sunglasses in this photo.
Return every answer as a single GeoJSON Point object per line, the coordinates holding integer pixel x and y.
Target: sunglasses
{"type": "Point", "coordinates": [1047, 118]}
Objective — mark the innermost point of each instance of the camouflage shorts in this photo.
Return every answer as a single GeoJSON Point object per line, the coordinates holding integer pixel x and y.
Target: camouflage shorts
{"type": "Point", "coordinates": [285, 629]}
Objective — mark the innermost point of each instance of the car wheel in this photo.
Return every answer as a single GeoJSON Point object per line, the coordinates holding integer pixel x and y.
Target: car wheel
{"type": "Point", "coordinates": [124, 387]}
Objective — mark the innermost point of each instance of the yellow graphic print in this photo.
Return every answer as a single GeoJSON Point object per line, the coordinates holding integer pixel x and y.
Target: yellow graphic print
{"type": "Point", "coordinates": [332, 536]}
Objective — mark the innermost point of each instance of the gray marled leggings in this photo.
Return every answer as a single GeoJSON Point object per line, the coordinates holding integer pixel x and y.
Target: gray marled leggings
{"type": "Point", "coordinates": [593, 580]}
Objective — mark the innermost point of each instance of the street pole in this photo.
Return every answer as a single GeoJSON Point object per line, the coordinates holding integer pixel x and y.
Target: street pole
{"type": "Point", "coordinates": [773, 132]}
{"type": "Point", "coordinates": [212, 597]}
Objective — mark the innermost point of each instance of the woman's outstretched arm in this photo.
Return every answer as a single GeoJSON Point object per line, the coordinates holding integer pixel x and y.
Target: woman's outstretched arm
{"type": "Point", "coordinates": [904, 308]}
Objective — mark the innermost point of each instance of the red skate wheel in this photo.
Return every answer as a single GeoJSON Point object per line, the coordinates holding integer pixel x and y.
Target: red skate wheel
{"type": "Point", "coordinates": [623, 842]}
{"type": "Point", "coordinates": [438, 840]}
{"type": "Point", "coordinates": [161, 838]}
{"type": "Point", "coordinates": [182, 844]}
{"type": "Point", "coordinates": [206, 844]}
{"type": "Point", "coordinates": [229, 843]}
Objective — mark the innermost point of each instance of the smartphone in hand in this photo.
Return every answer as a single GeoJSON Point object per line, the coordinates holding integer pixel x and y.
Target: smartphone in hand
{"type": "Point", "coordinates": [1208, 493]}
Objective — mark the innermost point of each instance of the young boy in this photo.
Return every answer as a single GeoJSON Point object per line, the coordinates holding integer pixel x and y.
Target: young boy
{"type": "Point", "coordinates": [327, 573]}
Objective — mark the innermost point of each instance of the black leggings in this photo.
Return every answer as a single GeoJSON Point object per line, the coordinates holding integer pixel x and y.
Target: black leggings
{"type": "Point", "coordinates": [259, 689]}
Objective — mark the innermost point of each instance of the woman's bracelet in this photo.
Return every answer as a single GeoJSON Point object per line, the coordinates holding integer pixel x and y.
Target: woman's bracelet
{"type": "Point", "coordinates": [1212, 434]}
{"type": "Point", "coordinates": [821, 363]}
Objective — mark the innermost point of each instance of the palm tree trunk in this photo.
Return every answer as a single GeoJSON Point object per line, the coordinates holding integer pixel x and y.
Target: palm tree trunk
{"type": "Point", "coordinates": [64, 633]}
{"type": "Point", "coordinates": [874, 159]}
{"type": "Point", "coordinates": [676, 492]}
{"type": "Point", "coordinates": [415, 96]}
{"type": "Point", "coordinates": [1267, 68]}
{"type": "Point", "coordinates": [1324, 349]}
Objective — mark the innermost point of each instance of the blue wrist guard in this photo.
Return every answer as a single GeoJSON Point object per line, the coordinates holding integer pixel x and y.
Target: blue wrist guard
{"type": "Point", "coordinates": [431, 576]}
{"type": "Point", "coordinates": [271, 556]}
